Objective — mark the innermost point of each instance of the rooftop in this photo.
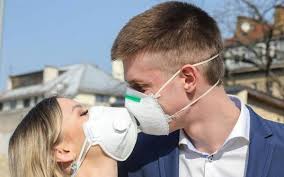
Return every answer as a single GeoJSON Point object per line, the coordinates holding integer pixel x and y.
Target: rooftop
{"type": "Point", "coordinates": [77, 78]}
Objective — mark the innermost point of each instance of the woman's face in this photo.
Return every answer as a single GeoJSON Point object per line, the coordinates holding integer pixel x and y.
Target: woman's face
{"type": "Point", "coordinates": [72, 134]}
{"type": "Point", "coordinates": [74, 115]}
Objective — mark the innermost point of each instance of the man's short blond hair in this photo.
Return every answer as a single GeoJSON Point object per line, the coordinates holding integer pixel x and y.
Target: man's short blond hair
{"type": "Point", "coordinates": [181, 32]}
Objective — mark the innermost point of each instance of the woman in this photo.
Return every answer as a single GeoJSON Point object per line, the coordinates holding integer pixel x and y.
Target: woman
{"type": "Point", "coordinates": [49, 140]}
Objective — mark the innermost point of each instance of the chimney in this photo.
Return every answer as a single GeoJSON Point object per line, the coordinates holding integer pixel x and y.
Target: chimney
{"type": "Point", "coordinates": [49, 73]}
{"type": "Point", "coordinates": [9, 84]}
{"type": "Point", "coordinates": [117, 70]}
{"type": "Point", "coordinates": [279, 20]}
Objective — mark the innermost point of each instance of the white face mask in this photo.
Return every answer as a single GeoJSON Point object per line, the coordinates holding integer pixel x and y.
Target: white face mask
{"type": "Point", "coordinates": [113, 129]}
{"type": "Point", "coordinates": [149, 113]}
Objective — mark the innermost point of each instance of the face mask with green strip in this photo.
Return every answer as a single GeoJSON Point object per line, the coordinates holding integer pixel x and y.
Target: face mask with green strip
{"type": "Point", "coordinates": [148, 111]}
{"type": "Point", "coordinates": [133, 98]}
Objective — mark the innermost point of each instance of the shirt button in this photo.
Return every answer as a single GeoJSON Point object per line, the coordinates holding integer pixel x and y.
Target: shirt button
{"type": "Point", "coordinates": [210, 158]}
{"type": "Point", "coordinates": [182, 147]}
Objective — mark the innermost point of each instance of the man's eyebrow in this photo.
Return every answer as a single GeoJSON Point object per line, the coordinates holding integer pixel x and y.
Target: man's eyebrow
{"type": "Point", "coordinates": [76, 106]}
{"type": "Point", "coordinates": [132, 82]}
{"type": "Point", "coordinates": [135, 82]}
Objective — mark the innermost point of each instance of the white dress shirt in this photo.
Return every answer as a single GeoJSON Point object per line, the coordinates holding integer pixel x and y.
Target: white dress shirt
{"type": "Point", "coordinates": [229, 161]}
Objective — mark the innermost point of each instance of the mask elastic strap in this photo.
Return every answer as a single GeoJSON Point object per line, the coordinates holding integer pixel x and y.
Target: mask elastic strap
{"type": "Point", "coordinates": [190, 104]}
{"type": "Point", "coordinates": [85, 148]}
{"type": "Point", "coordinates": [205, 61]}
{"type": "Point", "coordinates": [157, 95]}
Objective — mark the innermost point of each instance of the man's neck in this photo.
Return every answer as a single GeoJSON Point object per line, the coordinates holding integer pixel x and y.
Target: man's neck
{"type": "Point", "coordinates": [214, 120]}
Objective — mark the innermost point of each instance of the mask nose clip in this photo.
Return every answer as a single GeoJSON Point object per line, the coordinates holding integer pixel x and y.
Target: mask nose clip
{"type": "Point", "coordinates": [156, 96]}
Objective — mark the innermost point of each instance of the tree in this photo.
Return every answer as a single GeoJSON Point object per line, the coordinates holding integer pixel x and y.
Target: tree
{"type": "Point", "coordinates": [259, 47]}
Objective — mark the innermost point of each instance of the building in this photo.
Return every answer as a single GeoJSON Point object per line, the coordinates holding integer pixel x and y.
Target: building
{"type": "Point", "coordinates": [85, 83]}
{"type": "Point", "coordinates": [254, 46]}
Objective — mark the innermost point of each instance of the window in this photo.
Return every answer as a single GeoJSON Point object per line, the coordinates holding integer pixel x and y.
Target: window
{"type": "Point", "coordinates": [27, 103]}
{"type": "Point", "coordinates": [102, 98]}
{"type": "Point", "coordinates": [119, 102]}
{"type": "Point", "coordinates": [37, 99]}
{"type": "Point", "coordinates": [27, 79]}
{"type": "Point", "coordinates": [13, 104]}
{"type": "Point", "coordinates": [1, 106]}
{"type": "Point", "coordinates": [255, 85]}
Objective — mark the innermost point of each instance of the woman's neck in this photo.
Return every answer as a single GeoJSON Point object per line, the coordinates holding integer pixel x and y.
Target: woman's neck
{"type": "Point", "coordinates": [98, 164]}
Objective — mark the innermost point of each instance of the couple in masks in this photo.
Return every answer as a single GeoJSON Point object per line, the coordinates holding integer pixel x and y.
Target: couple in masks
{"type": "Point", "coordinates": [58, 135]}
{"type": "Point", "coordinates": [189, 126]}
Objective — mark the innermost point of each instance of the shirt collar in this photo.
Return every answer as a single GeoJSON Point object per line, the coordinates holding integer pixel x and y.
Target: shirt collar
{"type": "Point", "coordinates": [242, 127]}
{"type": "Point", "coordinates": [240, 130]}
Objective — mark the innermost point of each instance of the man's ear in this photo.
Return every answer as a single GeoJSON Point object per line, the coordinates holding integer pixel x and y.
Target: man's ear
{"type": "Point", "coordinates": [189, 73]}
{"type": "Point", "coordinates": [63, 154]}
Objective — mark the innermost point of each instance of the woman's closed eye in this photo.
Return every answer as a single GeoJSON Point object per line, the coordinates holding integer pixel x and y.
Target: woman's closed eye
{"type": "Point", "coordinates": [84, 113]}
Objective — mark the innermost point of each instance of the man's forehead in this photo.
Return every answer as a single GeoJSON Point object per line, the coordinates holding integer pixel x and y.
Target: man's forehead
{"type": "Point", "coordinates": [137, 74]}
{"type": "Point", "coordinates": [140, 66]}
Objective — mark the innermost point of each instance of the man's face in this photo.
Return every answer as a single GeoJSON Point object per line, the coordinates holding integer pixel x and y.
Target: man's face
{"type": "Point", "coordinates": [143, 74]}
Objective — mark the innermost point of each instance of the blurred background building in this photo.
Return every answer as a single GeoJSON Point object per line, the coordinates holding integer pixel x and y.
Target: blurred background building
{"type": "Point", "coordinates": [253, 56]}
{"type": "Point", "coordinates": [252, 47]}
{"type": "Point", "coordinates": [254, 60]}
{"type": "Point", "coordinates": [85, 83]}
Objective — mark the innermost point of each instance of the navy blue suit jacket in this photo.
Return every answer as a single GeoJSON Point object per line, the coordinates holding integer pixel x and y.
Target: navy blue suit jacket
{"type": "Point", "coordinates": [158, 156]}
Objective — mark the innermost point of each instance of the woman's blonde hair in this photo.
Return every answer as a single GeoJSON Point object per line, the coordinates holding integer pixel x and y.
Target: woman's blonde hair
{"type": "Point", "coordinates": [31, 147]}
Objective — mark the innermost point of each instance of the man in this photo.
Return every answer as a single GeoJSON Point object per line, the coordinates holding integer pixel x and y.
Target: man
{"type": "Point", "coordinates": [171, 56]}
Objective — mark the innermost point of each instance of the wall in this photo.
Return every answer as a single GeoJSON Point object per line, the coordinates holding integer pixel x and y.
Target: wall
{"type": "Point", "coordinates": [9, 121]}
{"type": "Point", "coordinates": [49, 73]}
{"type": "Point", "coordinates": [267, 111]}
{"type": "Point", "coordinates": [91, 100]}
{"type": "Point", "coordinates": [4, 170]}
{"type": "Point", "coordinates": [263, 109]}
{"type": "Point", "coordinates": [86, 99]}
{"type": "Point", "coordinates": [256, 82]}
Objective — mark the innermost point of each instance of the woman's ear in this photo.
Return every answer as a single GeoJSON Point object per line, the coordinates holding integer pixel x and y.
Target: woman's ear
{"type": "Point", "coordinates": [63, 154]}
{"type": "Point", "coordinates": [189, 73]}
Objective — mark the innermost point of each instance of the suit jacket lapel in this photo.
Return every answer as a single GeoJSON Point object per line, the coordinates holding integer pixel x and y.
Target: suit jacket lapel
{"type": "Point", "coordinates": [169, 156]}
{"type": "Point", "coordinates": [260, 149]}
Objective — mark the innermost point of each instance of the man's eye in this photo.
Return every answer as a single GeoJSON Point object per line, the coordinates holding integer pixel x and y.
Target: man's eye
{"type": "Point", "coordinates": [84, 113]}
{"type": "Point", "coordinates": [138, 88]}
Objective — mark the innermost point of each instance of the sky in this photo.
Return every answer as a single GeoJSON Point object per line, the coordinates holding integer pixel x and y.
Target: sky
{"type": "Point", "coordinates": [37, 33]}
